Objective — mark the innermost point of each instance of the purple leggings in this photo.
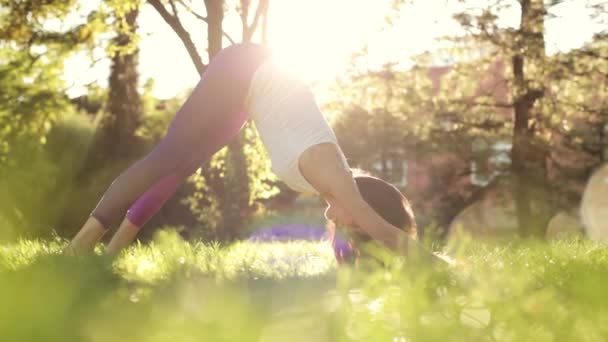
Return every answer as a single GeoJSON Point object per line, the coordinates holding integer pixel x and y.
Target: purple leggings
{"type": "Point", "coordinates": [213, 115]}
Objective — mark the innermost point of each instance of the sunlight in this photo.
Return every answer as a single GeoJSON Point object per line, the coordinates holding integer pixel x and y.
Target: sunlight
{"type": "Point", "coordinates": [314, 39]}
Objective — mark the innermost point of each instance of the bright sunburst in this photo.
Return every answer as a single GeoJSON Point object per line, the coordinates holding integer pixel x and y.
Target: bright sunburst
{"type": "Point", "coordinates": [314, 38]}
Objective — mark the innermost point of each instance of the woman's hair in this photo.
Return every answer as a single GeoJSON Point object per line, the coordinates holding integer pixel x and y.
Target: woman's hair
{"type": "Point", "coordinates": [387, 201]}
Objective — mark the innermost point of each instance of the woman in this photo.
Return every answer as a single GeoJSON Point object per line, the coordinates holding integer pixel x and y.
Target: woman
{"type": "Point", "coordinates": [303, 149]}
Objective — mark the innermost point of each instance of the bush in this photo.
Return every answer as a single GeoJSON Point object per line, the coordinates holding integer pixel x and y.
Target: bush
{"type": "Point", "coordinates": [38, 181]}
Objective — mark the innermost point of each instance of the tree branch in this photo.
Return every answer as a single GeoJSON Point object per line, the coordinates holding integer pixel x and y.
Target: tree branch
{"type": "Point", "coordinates": [258, 13]}
{"type": "Point", "coordinates": [178, 28]}
{"type": "Point", "coordinates": [470, 104]}
{"type": "Point", "coordinates": [202, 18]}
{"type": "Point", "coordinates": [173, 8]}
{"type": "Point", "coordinates": [191, 11]}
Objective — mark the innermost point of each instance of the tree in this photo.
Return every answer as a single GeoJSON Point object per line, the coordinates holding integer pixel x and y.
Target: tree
{"type": "Point", "coordinates": [115, 137]}
{"type": "Point", "coordinates": [534, 109]}
{"type": "Point", "coordinates": [36, 164]}
{"type": "Point", "coordinates": [32, 51]}
{"type": "Point", "coordinates": [502, 114]}
{"type": "Point", "coordinates": [397, 124]}
{"type": "Point", "coordinates": [372, 109]}
{"type": "Point", "coordinates": [579, 98]}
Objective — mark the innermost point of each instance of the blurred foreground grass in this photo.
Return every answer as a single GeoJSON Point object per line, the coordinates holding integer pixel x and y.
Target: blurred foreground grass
{"type": "Point", "coordinates": [171, 290]}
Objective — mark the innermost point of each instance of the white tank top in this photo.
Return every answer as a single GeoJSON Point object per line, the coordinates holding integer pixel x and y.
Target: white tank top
{"type": "Point", "coordinates": [288, 120]}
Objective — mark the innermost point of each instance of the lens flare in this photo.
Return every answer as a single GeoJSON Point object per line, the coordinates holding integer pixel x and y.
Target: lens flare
{"type": "Point", "coordinates": [594, 206]}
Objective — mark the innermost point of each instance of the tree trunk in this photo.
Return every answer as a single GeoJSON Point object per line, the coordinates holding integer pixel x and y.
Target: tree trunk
{"type": "Point", "coordinates": [234, 199]}
{"type": "Point", "coordinates": [236, 204]}
{"type": "Point", "coordinates": [528, 154]}
{"type": "Point", "coordinates": [215, 18]}
{"type": "Point", "coordinates": [124, 101]}
{"type": "Point", "coordinates": [264, 27]}
{"type": "Point", "coordinates": [115, 135]}
{"type": "Point", "coordinates": [603, 129]}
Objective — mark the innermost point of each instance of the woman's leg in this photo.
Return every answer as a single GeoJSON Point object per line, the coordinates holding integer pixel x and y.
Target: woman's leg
{"type": "Point", "coordinates": [142, 210]}
{"type": "Point", "coordinates": [149, 203]}
{"type": "Point", "coordinates": [210, 118]}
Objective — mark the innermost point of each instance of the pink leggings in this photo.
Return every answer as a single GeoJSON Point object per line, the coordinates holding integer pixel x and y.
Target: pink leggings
{"type": "Point", "coordinates": [211, 117]}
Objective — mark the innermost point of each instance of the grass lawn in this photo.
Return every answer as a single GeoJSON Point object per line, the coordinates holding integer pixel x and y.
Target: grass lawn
{"type": "Point", "coordinates": [171, 290]}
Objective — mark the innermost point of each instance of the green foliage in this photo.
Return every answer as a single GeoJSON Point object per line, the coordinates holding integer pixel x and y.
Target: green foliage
{"type": "Point", "coordinates": [208, 206]}
{"type": "Point", "coordinates": [261, 177]}
{"type": "Point", "coordinates": [115, 133]}
{"type": "Point", "coordinates": [120, 13]}
{"type": "Point", "coordinates": [173, 290]}
{"type": "Point", "coordinates": [376, 113]}
{"type": "Point", "coordinates": [542, 153]}
{"type": "Point", "coordinates": [157, 115]}
{"type": "Point", "coordinates": [31, 97]}
{"type": "Point", "coordinates": [35, 39]}
{"type": "Point", "coordinates": [38, 184]}
{"type": "Point", "coordinates": [39, 22]}
{"type": "Point", "coordinates": [392, 116]}
{"type": "Point", "coordinates": [442, 118]}
{"type": "Point", "coordinates": [204, 204]}
{"type": "Point", "coordinates": [575, 120]}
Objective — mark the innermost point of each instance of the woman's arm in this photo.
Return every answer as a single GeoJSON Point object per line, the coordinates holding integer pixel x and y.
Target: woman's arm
{"type": "Point", "coordinates": [323, 167]}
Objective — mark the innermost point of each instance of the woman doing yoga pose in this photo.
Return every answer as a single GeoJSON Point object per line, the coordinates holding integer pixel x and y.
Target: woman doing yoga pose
{"type": "Point", "coordinates": [243, 82]}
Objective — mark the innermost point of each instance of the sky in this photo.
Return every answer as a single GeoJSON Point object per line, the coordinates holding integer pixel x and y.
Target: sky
{"type": "Point", "coordinates": [315, 38]}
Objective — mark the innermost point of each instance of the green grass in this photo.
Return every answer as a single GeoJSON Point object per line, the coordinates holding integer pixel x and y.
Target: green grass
{"type": "Point", "coordinates": [171, 290]}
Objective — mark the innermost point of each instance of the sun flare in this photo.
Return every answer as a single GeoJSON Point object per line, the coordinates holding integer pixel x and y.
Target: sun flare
{"type": "Point", "coordinates": [314, 39]}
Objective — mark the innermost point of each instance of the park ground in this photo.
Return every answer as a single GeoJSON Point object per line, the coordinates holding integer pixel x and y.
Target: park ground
{"type": "Point", "coordinates": [173, 290]}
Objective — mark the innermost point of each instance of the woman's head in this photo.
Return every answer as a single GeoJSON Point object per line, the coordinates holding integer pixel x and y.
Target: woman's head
{"type": "Point", "coordinates": [384, 198]}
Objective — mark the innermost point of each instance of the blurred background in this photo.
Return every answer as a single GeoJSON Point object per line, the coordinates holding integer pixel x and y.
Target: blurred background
{"type": "Point", "coordinates": [490, 116]}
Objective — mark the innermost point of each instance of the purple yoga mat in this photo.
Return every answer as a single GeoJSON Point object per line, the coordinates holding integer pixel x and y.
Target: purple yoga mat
{"type": "Point", "coordinates": [301, 232]}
